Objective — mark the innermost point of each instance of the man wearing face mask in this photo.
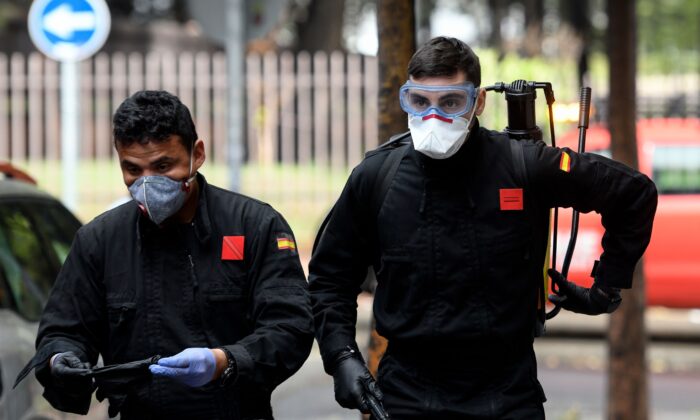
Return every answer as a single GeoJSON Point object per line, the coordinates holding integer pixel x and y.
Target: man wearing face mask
{"type": "Point", "coordinates": [457, 240]}
{"type": "Point", "coordinates": [208, 279]}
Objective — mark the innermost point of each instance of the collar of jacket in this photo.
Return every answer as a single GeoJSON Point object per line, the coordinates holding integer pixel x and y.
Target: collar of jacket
{"type": "Point", "coordinates": [201, 221]}
{"type": "Point", "coordinates": [459, 161]}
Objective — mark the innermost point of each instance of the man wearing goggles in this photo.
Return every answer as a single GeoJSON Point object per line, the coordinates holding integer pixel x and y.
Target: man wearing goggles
{"type": "Point", "coordinates": [457, 239]}
{"type": "Point", "coordinates": [440, 101]}
{"type": "Point", "coordinates": [436, 113]}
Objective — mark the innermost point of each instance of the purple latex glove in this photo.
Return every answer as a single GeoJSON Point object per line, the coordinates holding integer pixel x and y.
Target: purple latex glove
{"type": "Point", "coordinates": [194, 366]}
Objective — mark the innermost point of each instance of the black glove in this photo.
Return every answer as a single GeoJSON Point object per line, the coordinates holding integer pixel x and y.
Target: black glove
{"type": "Point", "coordinates": [353, 382]}
{"type": "Point", "coordinates": [594, 301]}
{"type": "Point", "coordinates": [69, 372]}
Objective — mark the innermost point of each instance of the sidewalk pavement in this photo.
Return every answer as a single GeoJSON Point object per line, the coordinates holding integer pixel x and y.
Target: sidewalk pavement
{"type": "Point", "coordinates": [579, 341]}
{"type": "Point", "coordinates": [663, 324]}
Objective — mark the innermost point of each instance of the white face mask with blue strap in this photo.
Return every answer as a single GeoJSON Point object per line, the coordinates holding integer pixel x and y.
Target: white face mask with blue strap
{"type": "Point", "coordinates": [435, 116]}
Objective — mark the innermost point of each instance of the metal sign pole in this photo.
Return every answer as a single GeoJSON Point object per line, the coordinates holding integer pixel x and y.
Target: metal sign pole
{"type": "Point", "coordinates": [70, 132]}
{"type": "Point", "coordinates": [69, 31]}
{"type": "Point", "coordinates": [235, 51]}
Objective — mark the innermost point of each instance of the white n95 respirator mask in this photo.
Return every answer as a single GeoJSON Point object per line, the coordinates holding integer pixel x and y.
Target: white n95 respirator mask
{"type": "Point", "coordinates": [436, 138]}
{"type": "Point", "coordinates": [435, 116]}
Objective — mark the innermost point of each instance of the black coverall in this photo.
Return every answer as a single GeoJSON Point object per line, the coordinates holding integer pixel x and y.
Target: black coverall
{"type": "Point", "coordinates": [458, 247]}
{"type": "Point", "coordinates": [130, 290]}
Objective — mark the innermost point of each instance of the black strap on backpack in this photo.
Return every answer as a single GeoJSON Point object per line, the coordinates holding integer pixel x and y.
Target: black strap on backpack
{"type": "Point", "coordinates": [382, 181]}
{"type": "Point", "coordinates": [386, 176]}
{"type": "Point", "coordinates": [521, 177]}
{"type": "Point", "coordinates": [519, 162]}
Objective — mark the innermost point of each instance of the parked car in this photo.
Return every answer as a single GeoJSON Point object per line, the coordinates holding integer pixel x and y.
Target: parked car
{"type": "Point", "coordinates": [36, 232]}
{"type": "Point", "coordinates": [669, 153]}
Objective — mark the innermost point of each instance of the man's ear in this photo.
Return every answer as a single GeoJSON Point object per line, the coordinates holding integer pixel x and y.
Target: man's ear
{"type": "Point", "coordinates": [480, 101]}
{"type": "Point", "coordinates": [198, 154]}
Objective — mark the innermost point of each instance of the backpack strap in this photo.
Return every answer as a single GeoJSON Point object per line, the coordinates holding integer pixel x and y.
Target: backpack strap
{"type": "Point", "coordinates": [385, 176]}
{"type": "Point", "coordinates": [519, 163]}
{"type": "Point", "coordinates": [521, 177]}
{"type": "Point", "coordinates": [382, 179]}
{"type": "Point", "coordinates": [394, 141]}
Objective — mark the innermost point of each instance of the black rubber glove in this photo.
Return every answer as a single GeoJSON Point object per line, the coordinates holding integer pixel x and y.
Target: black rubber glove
{"type": "Point", "coordinates": [352, 382]}
{"type": "Point", "coordinates": [594, 301]}
{"type": "Point", "coordinates": [69, 372]}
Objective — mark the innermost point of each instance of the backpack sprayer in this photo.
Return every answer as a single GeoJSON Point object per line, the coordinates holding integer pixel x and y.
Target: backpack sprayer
{"type": "Point", "coordinates": [520, 96]}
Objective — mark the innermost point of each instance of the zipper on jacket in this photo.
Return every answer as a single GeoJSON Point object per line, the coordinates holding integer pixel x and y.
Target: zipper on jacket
{"type": "Point", "coordinates": [197, 304]}
{"type": "Point", "coordinates": [193, 274]}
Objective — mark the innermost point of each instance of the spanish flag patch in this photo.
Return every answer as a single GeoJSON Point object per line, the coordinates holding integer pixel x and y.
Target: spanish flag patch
{"type": "Point", "coordinates": [286, 242]}
{"type": "Point", "coordinates": [565, 162]}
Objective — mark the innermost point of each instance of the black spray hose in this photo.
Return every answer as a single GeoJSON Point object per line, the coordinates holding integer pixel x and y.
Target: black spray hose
{"type": "Point", "coordinates": [584, 111]}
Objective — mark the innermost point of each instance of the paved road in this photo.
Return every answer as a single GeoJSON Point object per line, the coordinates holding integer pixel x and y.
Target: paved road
{"type": "Point", "coordinates": [575, 388]}
{"type": "Point", "coordinates": [580, 394]}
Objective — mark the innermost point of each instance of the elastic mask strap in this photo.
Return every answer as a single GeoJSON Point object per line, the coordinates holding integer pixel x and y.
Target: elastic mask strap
{"type": "Point", "coordinates": [188, 181]}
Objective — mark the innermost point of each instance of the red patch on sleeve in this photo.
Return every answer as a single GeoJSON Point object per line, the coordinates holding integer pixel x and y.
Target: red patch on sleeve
{"type": "Point", "coordinates": [511, 198]}
{"type": "Point", "coordinates": [232, 248]}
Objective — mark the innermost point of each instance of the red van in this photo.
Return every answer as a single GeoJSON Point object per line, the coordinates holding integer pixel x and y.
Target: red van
{"type": "Point", "coordinates": [669, 153]}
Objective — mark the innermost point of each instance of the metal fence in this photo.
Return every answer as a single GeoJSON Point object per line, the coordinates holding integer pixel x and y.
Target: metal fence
{"type": "Point", "coordinates": [299, 109]}
{"type": "Point", "coordinates": [311, 108]}
{"type": "Point", "coordinates": [308, 118]}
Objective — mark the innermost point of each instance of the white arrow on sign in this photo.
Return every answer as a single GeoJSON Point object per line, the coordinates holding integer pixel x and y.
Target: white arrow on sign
{"type": "Point", "coordinates": [63, 21]}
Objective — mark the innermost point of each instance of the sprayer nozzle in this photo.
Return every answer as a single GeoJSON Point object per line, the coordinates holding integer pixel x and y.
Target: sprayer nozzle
{"type": "Point", "coordinates": [498, 87]}
{"type": "Point", "coordinates": [585, 107]}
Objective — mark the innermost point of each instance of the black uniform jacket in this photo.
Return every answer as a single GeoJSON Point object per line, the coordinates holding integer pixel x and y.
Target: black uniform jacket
{"type": "Point", "coordinates": [458, 245]}
{"type": "Point", "coordinates": [130, 290]}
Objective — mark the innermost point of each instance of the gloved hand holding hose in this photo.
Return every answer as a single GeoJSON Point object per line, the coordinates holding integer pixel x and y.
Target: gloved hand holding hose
{"type": "Point", "coordinates": [67, 370]}
{"type": "Point", "coordinates": [597, 300]}
{"type": "Point", "coordinates": [355, 387]}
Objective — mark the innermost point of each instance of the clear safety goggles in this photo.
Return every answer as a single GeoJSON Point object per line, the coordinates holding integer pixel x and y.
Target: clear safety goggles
{"type": "Point", "coordinates": [447, 101]}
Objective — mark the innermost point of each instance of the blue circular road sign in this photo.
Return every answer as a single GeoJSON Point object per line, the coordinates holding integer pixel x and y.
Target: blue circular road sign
{"type": "Point", "coordinates": [69, 30]}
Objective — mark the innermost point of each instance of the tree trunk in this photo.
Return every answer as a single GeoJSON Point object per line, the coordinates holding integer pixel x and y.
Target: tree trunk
{"type": "Point", "coordinates": [396, 46]}
{"type": "Point", "coordinates": [323, 28]}
{"type": "Point", "coordinates": [627, 382]}
{"type": "Point", "coordinates": [396, 29]}
{"type": "Point", "coordinates": [497, 11]}
{"type": "Point", "coordinates": [424, 9]}
{"type": "Point", "coordinates": [577, 13]}
{"type": "Point", "coordinates": [532, 43]}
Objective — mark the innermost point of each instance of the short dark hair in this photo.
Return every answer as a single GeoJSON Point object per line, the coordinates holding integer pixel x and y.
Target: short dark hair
{"type": "Point", "coordinates": [153, 116]}
{"type": "Point", "coordinates": [445, 56]}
